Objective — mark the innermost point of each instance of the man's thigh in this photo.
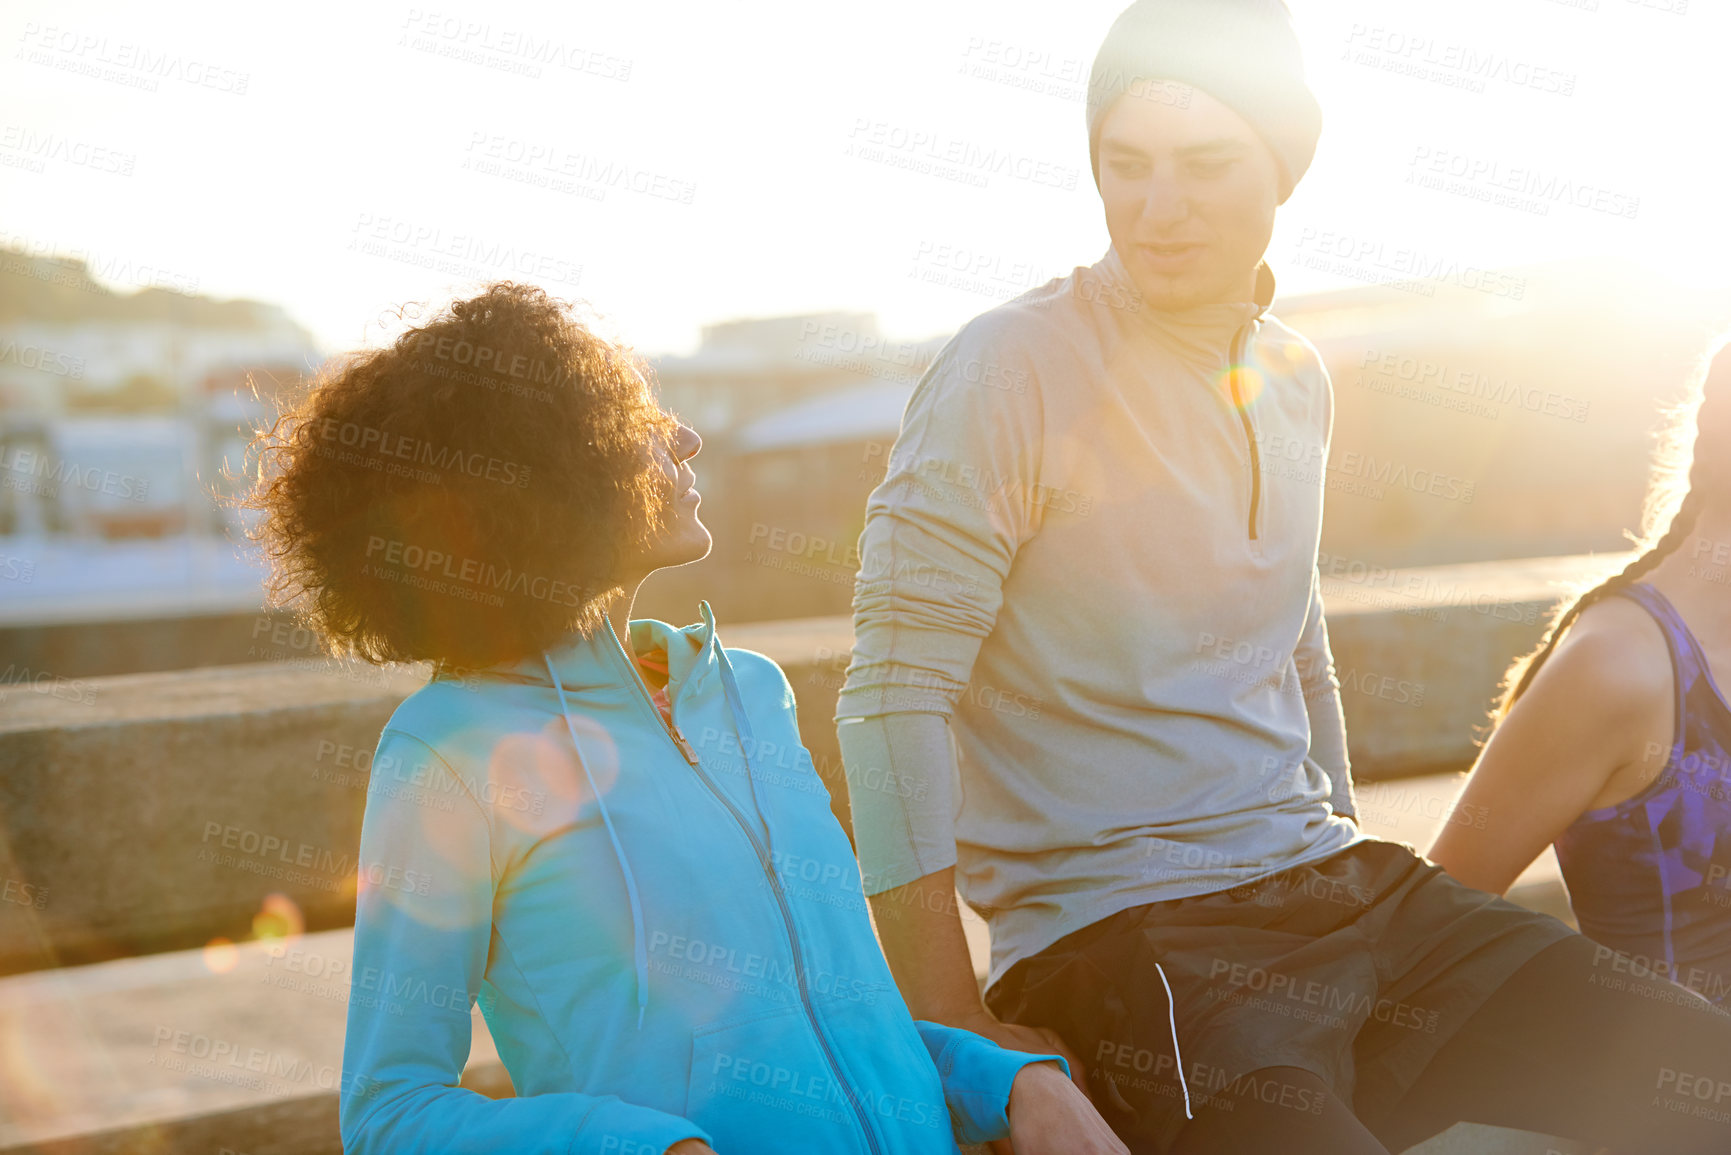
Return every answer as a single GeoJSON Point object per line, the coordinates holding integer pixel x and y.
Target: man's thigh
{"type": "Point", "coordinates": [1172, 1022]}
{"type": "Point", "coordinates": [1370, 952]}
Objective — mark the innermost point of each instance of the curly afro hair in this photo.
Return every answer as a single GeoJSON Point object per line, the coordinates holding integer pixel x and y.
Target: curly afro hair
{"type": "Point", "coordinates": [467, 495]}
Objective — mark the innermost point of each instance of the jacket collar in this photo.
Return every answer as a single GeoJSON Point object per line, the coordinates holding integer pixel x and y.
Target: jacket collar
{"type": "Point", "coordinates": [596, 660]}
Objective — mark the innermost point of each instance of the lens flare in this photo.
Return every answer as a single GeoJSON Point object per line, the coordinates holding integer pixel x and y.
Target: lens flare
{"type": "Point", "coordinates": [220, 956]}
{"type": "Point", "coordinates": [278, 917]}
{"type": "Point", "coordinates": [1240, 384]}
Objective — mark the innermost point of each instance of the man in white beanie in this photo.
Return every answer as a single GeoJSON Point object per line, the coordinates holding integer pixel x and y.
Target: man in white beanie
{"type": "Point", "coordinates": [1115, 725]}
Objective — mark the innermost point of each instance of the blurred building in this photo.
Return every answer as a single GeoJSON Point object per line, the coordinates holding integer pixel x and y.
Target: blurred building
{"type": "Point", "coordinates": [1469, 426]}
{"type": "Point", "coordinates": [118, 411]}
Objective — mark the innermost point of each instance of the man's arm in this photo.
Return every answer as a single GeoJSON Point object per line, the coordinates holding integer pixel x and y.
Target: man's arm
{"type": "Point", "coordinates": [909, 872]}
{"type": "Point", "coordinates": [1322, 703]}
{"type": "Point", "coordinates": [941, 533]}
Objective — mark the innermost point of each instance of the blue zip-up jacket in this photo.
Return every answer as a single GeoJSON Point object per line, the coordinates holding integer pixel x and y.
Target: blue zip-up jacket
{"type": "Point", "coordinates": [663, 927]}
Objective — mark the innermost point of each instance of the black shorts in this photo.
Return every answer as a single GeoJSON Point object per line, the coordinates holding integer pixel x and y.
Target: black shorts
{"type": "Point", "coordinates": [1356, 968]}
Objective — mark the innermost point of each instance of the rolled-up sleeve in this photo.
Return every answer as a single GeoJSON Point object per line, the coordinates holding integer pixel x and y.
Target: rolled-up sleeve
{"type": "Point", "coordinates": [958, 499]}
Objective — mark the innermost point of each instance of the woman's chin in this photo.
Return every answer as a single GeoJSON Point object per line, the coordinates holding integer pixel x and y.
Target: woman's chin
{"type": "Point", "coordinates": [691, 543]}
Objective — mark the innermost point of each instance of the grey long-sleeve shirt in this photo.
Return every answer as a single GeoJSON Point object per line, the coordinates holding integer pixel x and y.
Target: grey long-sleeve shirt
{"type": "Point", "coordinates": [1072, 559]}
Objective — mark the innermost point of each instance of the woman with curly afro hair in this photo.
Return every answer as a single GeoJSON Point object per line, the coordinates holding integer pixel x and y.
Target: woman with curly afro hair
{"type": "Point", "coordinates": [606, 832]}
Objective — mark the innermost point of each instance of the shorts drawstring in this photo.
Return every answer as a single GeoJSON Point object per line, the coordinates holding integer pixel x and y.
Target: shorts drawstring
{"type": "Point", "coordinates": [1172, 1020]}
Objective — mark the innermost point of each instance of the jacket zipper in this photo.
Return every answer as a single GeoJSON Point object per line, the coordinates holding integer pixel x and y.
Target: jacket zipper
{"type": "Point", "coordinates": [684, 748]}
{"type": "Point", "coordinates": [1234, 356]}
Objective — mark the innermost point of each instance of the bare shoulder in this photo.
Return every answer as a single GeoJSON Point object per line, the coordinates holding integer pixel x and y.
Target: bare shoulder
{"type": "Point", "coordinates": [1611, 668]}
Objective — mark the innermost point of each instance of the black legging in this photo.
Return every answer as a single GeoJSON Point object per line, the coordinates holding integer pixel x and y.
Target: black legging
{"type": "Point", "coordinates": [1565, 1048]}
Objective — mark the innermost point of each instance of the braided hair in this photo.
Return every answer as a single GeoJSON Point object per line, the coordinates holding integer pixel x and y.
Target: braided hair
{"type": "Point", "coordinates": [1676, 491]}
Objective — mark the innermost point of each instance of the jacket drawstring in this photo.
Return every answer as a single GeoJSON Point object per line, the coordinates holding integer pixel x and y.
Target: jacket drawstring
{"type": "Point", "coordinates": [742, 727]}
{"type": "Point", "coordinates": [639, 947]}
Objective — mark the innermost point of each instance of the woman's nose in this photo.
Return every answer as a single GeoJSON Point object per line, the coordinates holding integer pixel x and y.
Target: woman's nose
{"type": "Point", "coordinates": [687, 443]}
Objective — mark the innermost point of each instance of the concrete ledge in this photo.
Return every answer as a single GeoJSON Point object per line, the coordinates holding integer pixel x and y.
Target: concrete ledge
{"type": "Point", "coordinates": [237, 1050]}
{"type": "Point", "coordinates": [1420, 653]}
{"type": "Point", "coordinates": [157, 811]}
{"type": "Point", "coordinates": [154, 812]}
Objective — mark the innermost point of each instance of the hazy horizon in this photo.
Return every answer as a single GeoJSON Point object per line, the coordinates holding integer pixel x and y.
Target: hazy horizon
{"type": "Point", "coordinates": [324, 167]}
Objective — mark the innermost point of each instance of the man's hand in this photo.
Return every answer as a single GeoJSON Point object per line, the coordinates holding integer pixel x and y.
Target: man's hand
{"type": "Point", "coordinates": [1049, 1115]}
{"type": "Point", "coordinates": [690, 1147]}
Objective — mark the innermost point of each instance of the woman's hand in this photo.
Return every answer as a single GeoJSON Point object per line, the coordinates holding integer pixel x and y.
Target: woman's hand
{"type": "Point", "coordinates": [691, 1147]}
{"type": "Point", "coordinates": [1035, 1040]}
{"type": "Point", "coordinates": [1049, 1115]}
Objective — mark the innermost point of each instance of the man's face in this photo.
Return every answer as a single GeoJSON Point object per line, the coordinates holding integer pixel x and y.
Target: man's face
{"type": "Point", "coordinates": [1190, 194]}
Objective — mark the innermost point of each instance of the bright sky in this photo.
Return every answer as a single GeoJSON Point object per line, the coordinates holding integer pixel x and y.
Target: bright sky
{"type": "Point", "coordinates": [317, 156]}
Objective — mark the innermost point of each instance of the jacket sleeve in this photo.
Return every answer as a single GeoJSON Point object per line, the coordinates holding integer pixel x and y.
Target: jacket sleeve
{"type": "Point", "coordinates": [1322, 704]}
{"type": "Point", "coordinates": [423, 927]}
{"type": "Point", "coordinates": [958, 499]}
{"type": "Point", "coordinates": [977, 1075]}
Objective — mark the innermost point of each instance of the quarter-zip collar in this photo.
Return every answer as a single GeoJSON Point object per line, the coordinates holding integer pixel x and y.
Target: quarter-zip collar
{"type": "Point", "coordinates": [1202, 334]}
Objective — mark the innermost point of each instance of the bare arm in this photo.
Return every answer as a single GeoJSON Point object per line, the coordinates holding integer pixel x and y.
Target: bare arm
{"type": "Point", "coordinates": [920, 927]}
{"type": "Point", "coordinates": [1580, 737]}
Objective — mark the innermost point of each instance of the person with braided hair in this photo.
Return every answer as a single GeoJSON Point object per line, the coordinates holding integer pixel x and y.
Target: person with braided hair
{"type": "Point", "coordinates": [1614, 740]}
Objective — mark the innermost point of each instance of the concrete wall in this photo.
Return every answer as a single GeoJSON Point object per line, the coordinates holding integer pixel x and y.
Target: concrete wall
{"type": "Point", "coordinates": [152, 812]}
